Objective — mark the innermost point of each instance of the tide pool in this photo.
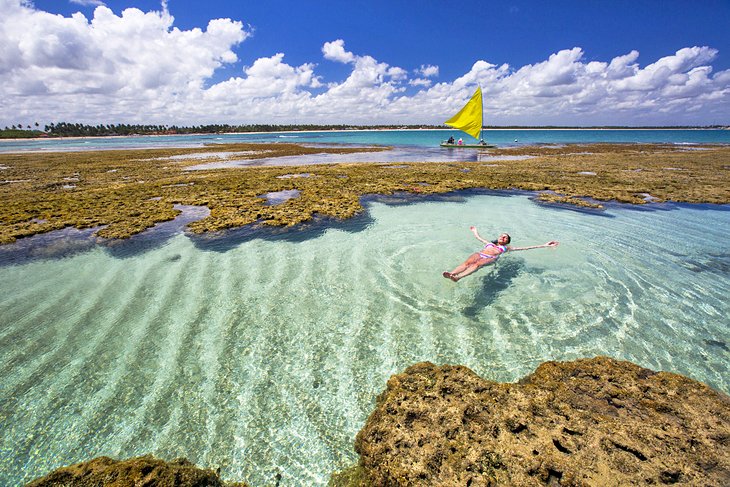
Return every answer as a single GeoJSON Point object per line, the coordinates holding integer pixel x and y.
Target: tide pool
{"type": "Point", "coordinates": [264, 355]}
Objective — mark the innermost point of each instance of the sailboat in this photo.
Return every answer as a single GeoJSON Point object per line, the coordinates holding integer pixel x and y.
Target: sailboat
{"type": "Point", "coordinates": [469, 120]}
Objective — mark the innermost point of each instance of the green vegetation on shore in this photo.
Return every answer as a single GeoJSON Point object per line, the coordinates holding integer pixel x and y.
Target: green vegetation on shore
{"type": "Point", "coordinates": [128, 191]}
{"type": "Point", "coordinates": [21, 134]}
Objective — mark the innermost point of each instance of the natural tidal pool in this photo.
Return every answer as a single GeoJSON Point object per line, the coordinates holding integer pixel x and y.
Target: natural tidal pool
{"type": "Point", "coordinates": [264, 355]}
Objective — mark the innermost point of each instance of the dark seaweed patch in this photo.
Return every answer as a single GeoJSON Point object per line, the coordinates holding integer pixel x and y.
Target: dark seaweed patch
{"type": "Point", "coordinates": [718, 344]}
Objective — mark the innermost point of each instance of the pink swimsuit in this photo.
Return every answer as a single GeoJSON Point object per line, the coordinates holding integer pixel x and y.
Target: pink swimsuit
{"type": "Point", "coordinates": [501, 248]}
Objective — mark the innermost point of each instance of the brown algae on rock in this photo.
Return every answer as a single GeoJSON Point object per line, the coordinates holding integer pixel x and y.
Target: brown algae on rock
{"type": "Point", "coordinates": [146, 470]}
{"type": "Point", "coordinates": [128, 191]}
{"type": "Point", "coordinates": [553, 198]}
{"type": "Point", "coordinates": [590, 422]}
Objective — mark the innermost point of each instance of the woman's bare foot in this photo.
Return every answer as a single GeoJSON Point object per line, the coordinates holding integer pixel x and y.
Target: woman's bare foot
{"type": "Point", "coordinates": [447, 275]}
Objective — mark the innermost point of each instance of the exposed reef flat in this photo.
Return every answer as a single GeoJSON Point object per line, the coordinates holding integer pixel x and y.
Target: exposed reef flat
{"type": "Point", "coordinates": [127, 191]}
{"type": "Point", "coordinates": [593, 422]}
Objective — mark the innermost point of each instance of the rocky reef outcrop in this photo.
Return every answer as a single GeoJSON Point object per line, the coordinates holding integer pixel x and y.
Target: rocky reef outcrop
{"type": "Point", "coordinates": [595, 422]}
{"type": "Point", "coordinates": [133, 472]}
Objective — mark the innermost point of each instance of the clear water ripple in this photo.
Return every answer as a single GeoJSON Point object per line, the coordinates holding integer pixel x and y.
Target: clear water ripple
{"type": "Point", "coordinates": [266, 358]}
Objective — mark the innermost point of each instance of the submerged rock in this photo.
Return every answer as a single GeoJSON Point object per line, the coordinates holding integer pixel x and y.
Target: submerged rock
{"type": "Point", "coordinates": [139, 471]}
{"type": "Point", "coordinates": [589, 422]}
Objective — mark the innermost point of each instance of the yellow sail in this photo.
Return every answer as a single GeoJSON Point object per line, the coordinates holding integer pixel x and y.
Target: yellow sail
{"type": "Point", "coordinates": [469, 119]}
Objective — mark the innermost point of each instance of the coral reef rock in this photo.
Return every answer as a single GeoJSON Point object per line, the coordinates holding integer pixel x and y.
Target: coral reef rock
{"type": "Point", "coordinates": [134, 472]}
{"type": "Point", "coordinates": [588, 422]}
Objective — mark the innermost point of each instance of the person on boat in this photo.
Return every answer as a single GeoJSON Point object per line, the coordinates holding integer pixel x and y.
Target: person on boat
{"type": "Point", "coordinates": [481, 142]}
{"type": "Point", "coordinates": [461, 142]}
{"type": "Point", "coordinates": [451, 140]}
{"type": "Point", "coordinates": [488, 255]}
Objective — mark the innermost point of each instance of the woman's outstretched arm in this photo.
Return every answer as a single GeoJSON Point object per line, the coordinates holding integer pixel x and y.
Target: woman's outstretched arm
{"type": "Point", "coordinates": [552, 243]}
{"type": "Point", "coordinates": [476, 234]}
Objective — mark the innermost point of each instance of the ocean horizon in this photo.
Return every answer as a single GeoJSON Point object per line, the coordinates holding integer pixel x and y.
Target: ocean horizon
{"type": "Point", "coordinates": [414, 138]}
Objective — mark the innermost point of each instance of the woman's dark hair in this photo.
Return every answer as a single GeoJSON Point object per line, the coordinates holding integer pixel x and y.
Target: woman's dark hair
{"type": "Point", "coordinates": [496, 241]}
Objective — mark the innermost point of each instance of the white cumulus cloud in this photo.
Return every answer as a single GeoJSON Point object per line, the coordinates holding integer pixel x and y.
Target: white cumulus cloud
{"type": "Point", "coordinates": [335, 51]}
{"type": "Point", "coordinates": [107, 62]}
{"type": "Point", "coordinates": [420, 82]}
{"type": "Point", "coordinates": [428, 71]}
{"type": "Point", "coordinates": [267, 77]}
{"type": "Point", "coordinates": [87, 3]}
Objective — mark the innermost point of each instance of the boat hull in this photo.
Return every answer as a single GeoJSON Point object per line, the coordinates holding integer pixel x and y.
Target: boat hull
{"type": "Point", "coordinates": [467, 146]}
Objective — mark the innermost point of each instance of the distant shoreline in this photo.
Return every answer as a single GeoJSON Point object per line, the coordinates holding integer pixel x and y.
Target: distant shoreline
{"type": "Point", "coordinates": [495, 129]}
{"type": "Point", "coordinates": [492, 129]}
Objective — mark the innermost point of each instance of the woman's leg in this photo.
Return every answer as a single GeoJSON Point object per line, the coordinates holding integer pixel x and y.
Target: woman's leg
{"type": "Point", "coordinates": [473, 259]}
{"type": "Point", "coordinates": [469, 270]}
{"type": "Point", "coordinates": [455, 276]}
{"type": "Point", "coordinates": [459, 268]}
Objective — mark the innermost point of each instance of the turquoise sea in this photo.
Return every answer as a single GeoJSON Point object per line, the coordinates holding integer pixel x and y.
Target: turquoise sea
{"type": "Point", "coordinates": [397, 138]}
{"type": "Point", "coordinates": [262, 352]}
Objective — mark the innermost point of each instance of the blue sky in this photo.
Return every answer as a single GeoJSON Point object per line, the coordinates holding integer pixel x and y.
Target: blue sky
{"type": "Point", "coordinates": [360, 62]}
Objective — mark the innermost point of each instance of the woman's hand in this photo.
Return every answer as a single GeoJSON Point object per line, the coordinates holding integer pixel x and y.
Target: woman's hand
{"type": "Point", "coordinates": [552, 243]}
{"type": "Point", "coordinates": [472, 228]}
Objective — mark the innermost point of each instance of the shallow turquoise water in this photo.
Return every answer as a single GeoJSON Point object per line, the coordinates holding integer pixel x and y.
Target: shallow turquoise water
{"type": "Point", "coordinates": [264, 356]}
{"type": "Point", "coordinates": [398, 138]}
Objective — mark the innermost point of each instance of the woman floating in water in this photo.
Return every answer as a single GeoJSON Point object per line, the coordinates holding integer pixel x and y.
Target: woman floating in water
{"type": "Point", "coordinates": [488, 255]}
